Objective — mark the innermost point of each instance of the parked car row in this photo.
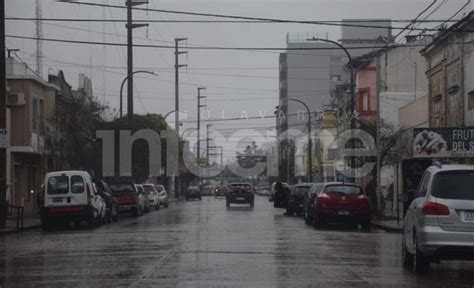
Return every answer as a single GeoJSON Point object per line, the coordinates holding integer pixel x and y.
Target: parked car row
{"type": "Point", "coordinates": [322, 204]}
{"type": "Point", "coordinates": [73, 196]}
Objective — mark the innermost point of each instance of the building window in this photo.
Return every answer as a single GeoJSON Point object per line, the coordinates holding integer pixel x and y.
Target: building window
{"type": "Point", "coordinates": [364, 95]}
{"type": "Point", "coordinates": [35, 114]}
{"type": "Point", "coordinates": [336, 60]}
{"type": "Point", "coordinates": [470, 100]}
{"type": "Point", "coordinates": [336, 78]}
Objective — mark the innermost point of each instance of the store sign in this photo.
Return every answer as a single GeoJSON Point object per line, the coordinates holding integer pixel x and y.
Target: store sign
{"type": "Point", "coordinates": [443, 142]}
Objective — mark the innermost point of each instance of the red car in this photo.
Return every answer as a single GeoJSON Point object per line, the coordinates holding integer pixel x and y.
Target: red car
{"type": "Point", "coordinates": [340, 202]}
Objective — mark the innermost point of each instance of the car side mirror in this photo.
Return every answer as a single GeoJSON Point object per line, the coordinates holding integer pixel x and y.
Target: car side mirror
{"type": "Point", "coordinates": [404, 197]}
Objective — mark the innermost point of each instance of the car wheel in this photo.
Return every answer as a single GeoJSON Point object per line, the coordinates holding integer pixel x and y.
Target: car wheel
{"type": "Point", "coordinates": [166, 205]}
{"type": "Point", "coordinates": [200, 198]}
{"type": "Point", "coordinates": [420, 262]}
{"type": "Point", "coordinates": [45, 226]}
{"type": "Point", "coordinates": [115, 217]}
{"type": "Point", "coordinates": [306, 219]}
{"type": "Point", "coordinates": [366, 225]}
{"type": "Point", "coordinates": [316, 221]}
{"type": "Point", "coordinates": [91, 222]}
{"type": "Point", "coordinates": [407, 257]}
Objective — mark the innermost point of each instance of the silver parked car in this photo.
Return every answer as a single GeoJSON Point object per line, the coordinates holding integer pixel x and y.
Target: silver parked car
{"type": "Point", "coordinates": [439, 224]}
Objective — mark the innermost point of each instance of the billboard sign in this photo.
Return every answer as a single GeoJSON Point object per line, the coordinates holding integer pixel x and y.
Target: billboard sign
{"type": "Point", "coordinates": [443, 142]}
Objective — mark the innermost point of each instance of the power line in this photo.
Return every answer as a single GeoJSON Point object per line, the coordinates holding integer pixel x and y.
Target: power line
{"type": "Point", "coordinates": [226, 48]}
{"type": "Point", "coordinates": [274, 20]}
{"type": "Point", "coordinates": [12, 18]}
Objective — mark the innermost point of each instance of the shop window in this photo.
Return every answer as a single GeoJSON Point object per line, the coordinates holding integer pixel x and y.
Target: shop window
{"type": "Point", "coordinates": [470, 100]}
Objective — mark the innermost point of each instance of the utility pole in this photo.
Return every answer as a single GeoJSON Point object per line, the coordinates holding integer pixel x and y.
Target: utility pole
{"type": "Point", "coordinates": [378, 138]}
{"type": "Point", "coordinates": [130, 26]}
{"type": "Point", "coordinates": [176, 69]}
{"type": "Point", "coordinates": [3, 118]}
{"type": "Point", "coordinates": [199, 97]}
{"type": "Point", "coordinates": [177, 186]}
{"type": "Point", "coordinates": [39, 35]}
{"type": "Point", "coordinates": [207, 142]}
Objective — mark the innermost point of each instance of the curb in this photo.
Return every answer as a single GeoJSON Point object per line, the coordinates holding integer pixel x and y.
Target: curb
{"type": "Point", "coordinates": [14, 230]}
{"type": "Point", "coordinates": [387, 228]}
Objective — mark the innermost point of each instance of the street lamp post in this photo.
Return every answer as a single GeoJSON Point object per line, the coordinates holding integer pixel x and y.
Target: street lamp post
{"type": "Point", "coordinates": [123, 83]}
{"type": "Point", "coordinates": [310, 148]}
{"type": "Point", "coordinates": [351, 66]}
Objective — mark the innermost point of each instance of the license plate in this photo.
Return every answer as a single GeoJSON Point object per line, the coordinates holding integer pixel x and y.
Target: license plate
{"type": "Point", "coordinates": [57, 200]}
{"type": "Point", "coordinates": [240, 198]}
{"type": "Point", "coordinates": [469, 215]}
{"type": "Point", "coordinates": [343, 212]}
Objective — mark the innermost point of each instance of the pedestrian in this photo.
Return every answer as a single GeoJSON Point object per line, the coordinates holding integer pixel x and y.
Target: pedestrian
{"type": "Point", "coordinates": [286, 200]}
{"type": "Point", "coordinates": [278, 195]}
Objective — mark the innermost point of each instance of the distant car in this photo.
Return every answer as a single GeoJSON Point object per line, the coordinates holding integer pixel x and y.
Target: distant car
{"type": "Point", "coordinates": [339, 202]}
{"type": "Point", "coordinates": [263, 190]}
{"type": "Point", "coordinates": [111, 203]}
{"type": "Point", "coordinates": [439, 223]}
{"type": "Point", "coordinates": [153, 197]}
{"type": "Point", "coordinates": [70, 196]}
{"type": "Point", "coordinates": [163, 195]}
{"type": "Point", "coordinates": [207, 190]}
{"type": "Point", "coordinates": [193, 192]}
{"type": "Point", "coordinates": [240, 193]}
{"type": "Point", "coordinates": [129, 198]}
{"type": "Point", "coordinates": [220, 191]}
{"type": "Point", "coordinates": [146, 199]}
{"type": "Point", "coordinates": [296, 200]}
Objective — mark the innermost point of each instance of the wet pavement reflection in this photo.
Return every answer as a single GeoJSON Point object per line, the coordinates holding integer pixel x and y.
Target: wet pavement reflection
{"type": "Point", "coordinates": [205, 244]}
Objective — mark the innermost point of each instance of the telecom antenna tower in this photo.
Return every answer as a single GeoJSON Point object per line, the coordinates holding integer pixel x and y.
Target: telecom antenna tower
{"type": "Point", "coordinates": [39, 35]}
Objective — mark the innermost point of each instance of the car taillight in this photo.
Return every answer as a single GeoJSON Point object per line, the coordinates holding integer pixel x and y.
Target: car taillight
{"type": "Point", "coordinates": [323, 196]}
{"type": "Point", "coordinates": [432, 208]}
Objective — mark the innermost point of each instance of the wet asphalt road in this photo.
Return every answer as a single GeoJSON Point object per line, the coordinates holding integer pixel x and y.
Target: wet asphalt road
{"type": "Point", "coordinates": [204, 244]}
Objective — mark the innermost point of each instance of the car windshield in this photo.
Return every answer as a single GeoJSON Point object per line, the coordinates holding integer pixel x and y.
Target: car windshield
{"type": "Point", "coordinates": [343, 189]}
{"type": "Point", "coordinates": [58, 185]}
{"type": "Point", "coordinates": [119, 188]}
{"type": "Point", "coordinates": [159, 188]}
{"type": "Point", "coordinates": [456, 185]}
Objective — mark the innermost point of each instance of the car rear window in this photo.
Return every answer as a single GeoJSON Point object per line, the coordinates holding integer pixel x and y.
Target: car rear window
{"type": "Point", "coordinates": [241, 186]}
{"type": "Point", "coordinates": [58, 185]}
{"type": "Point", "coordinates": [118, 189]}
{"type": "Point", "coordinates": [77, 184]}
{"type": "Point", "coordinates": [343, 189]}
{"type": "Point", "coordinates": [457, 185]}
{"type": "Point", "coordinates": [301, 190]}
{"type": "Point", "coordinates": [149, 188]}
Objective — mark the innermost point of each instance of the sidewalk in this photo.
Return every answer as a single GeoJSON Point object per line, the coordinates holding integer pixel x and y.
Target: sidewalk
{"type": "Point", "coordinates": [388, 224]}
{"type": "Point", "coordinates": [29, 223]}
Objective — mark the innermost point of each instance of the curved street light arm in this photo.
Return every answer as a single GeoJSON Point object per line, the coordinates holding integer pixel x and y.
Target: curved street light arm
{"type": "Point", "coordinates": [123, 83]}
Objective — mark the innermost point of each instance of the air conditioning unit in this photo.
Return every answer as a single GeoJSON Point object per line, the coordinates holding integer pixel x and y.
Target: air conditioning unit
{"type": "Point", "coordinates": [16, 99]}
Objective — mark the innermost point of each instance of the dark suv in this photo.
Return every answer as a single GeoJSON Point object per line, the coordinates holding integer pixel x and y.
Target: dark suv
{"type": "Point", "coordinates": [296, 200]}
{"type": "Point", "coordinates": [240, 193]}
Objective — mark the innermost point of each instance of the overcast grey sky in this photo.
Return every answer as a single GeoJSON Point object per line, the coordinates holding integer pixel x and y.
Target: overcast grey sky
{"type": "Point", "coordinates": [254, 89]}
